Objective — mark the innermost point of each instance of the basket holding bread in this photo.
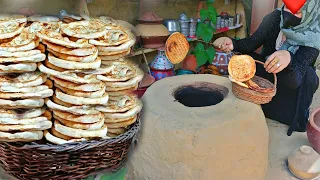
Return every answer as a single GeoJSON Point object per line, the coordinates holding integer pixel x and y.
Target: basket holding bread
{"type": "Point", "coordinates": [245, 84]}
{"type": "Point", "coordinates": [67, 82]}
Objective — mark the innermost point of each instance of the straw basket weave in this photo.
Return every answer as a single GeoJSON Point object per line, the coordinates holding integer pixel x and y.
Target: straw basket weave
{"type": "Point", "coordinates": [255, 96]}
{"type": "Point", "coordinates": [45, 161]}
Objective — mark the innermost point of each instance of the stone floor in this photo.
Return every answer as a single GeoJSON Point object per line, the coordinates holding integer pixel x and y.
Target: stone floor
{"type": "Point", "coordinates": [280, 147]}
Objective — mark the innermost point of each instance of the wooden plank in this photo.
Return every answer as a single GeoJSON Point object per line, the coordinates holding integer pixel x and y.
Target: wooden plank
{"type": "Point", "coordinates": [139, 52]}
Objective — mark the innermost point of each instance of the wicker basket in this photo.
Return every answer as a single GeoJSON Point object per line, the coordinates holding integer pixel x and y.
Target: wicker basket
{"type": "Point", "coordinates": [255, 96]}
{"type": "Point", "coordinates": [45, 161]}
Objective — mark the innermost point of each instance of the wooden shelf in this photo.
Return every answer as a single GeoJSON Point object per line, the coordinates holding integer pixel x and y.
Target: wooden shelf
{"type": "Point", "coordinates": [221, 31]}
{"type": "Point", "coordinates": [139, 51]}
{"type": "Point", "coordinates": [146, 50]}
{"type": "Point", "coordinates": [228, 29]}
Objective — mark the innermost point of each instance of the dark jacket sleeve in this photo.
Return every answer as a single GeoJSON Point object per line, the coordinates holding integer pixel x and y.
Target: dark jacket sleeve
{"type": "Point", "coordinates": [257, 39]}
{"type": "Point", "coordinates": [293, 75]}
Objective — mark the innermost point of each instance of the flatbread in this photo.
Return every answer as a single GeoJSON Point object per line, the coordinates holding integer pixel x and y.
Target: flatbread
{"type": "Point", "coordinates": [93, 126]}
{"type": "Point", "coordinates": [27, 59]}
{"type": "Point", "coordinates": [87, 29]}
{"type": "Point", "coordinates": [46, 26]}
{"type": "Point", "coordinates": [79, 133]}
{"type": "Point", "coordinates": [112, 135]}
{"type": "Point", "coordinates": [48, 83]}
{"type": "Point", "coordinates": [114, 117]}
{"type": "Point", "coordinates": [59, 141]}
{"type": "Point", "coordinates": [177, 47]}
{"type": "Point", "coordinates": [21, 114]}
{"type": "Point", "coordinates": [71, 51]}
{"type": "Point", "coordinates": [119, 73]}
{"type": "Point", "coordinates": [132, 82]}
{"type": "Point", "coordinates": [242, 67]}
{"type": "Point", "coordinates": [9, 29]}
{"type": "Point", "coordinates": [78, 87]}
{"type": "Point", "coordinates": [18, 68]}
{"type": "Point", "coordinates": [118, 104]}
{"type": "Point", "coordinates": [123, 92]}
{"type": "Point", "coordinates": [19, 54]}
{"type": "Point", "coordinates": [68, 75]}
{"type": "Point", "coordinates": [23, 80]}
{"type": "Point", "coordinates": [101, 70]}
{"type": "Point", "coordinates": [62, 103]}
{"type": "Point", "coordinates": [114, 57]}
{"type": "Point", "coordinates": [81, 100]}
{"type": "Point", "coordinates": [59, 135]}
{"type": "Point", "coordinates": [109, 21]}
{"type": "Point", "coordinates": [81, 73]}
{"type": "Point", "coordinates": [6, 40]}
{"type": "Point", "coordinates": [13, 17]}
{"type": "Point", "coordinates": [121, 61]}
{"type": "Point", "coordinates": [27, 121]}
{"type": "Point", "coordinates": [123, 47]}
{"type": "Point", "coordinates": [122, 124]}
{"type": "Point", "coordinates": [254, 86]}
{"type": "Point", "coordinates": [115, 36]}
{"type": "Point", "coordinates": [27, 136]}
{"type": "Point", "coordinates": [117, 131]}
{"type": "Point", "coordinates": [24, 38]}
{"type": "Point", "coordinates": [111, 53]}
{"type": "Point", "coordinates": [51, 66]}
{"type": "Point", "coordinates": [84, 119]}
{"type": "Point", "coordinates": [74, 65]}
{"type": "Point", "coordinates": [13, 89]}
{"type": "Point", "coordinates": [94, 94]}
{"type": "Point", "coordinates": [40, 126]}
{"type": "Point", "coordinates": [47, 114]}
{"type": "Point", "coordinates": [57, 38]}
{"type": "Point", "coordinates": [239, 83]}
{"type": "Point", "coordinates": [32, 95]}
{"type": "Point", "coordinates": [124, 88]}
{"type": "Point", "coordinates": [75, 110]}
{"type": "Point", "coordinates": [25, 103]}
{"type": "Point", "coordinates": [41, 48]}
{"type": "Point", "coordinates": [84, 59]}
{"type": "Point", "coordinates": [30, 46]}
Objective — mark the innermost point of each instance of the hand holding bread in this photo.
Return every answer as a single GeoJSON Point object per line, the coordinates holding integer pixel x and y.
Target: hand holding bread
{"type": "Point", "coordinates": [224, 44]}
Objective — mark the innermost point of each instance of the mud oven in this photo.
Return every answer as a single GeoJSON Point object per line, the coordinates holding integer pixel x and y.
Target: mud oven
{"type": "Point", "coordinates": [193, 127]}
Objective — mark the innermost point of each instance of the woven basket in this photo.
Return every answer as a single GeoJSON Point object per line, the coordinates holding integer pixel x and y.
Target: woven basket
{"type": "Point", "coordinates": [69, 161]}
{"type": "Point", "coordinates": [255, 96]}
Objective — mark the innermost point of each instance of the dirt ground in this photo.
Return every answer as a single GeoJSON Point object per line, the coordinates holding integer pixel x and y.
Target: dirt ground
{"type": "Point", "coordinates": [280, 147]}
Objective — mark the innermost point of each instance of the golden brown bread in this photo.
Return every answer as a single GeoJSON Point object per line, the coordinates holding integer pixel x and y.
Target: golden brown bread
{"type": "Point", "coordinates": [177, 47]}
{"type": "Point", "coordinates": [242, 67]}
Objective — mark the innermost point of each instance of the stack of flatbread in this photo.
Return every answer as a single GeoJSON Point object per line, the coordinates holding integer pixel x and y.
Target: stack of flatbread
{"type": "Point", "coordinates": [123, 78]}
{"type": "Point", "coordinates": [22, 88]}
{"type": "Point", "coordinates": [116, 42]}
{"type": "Point", "coordinates": [71, 64]}
{"type": "Point", "coordinates": [81, 106]}
{"type": "Point", "coordinates": [119, 113]}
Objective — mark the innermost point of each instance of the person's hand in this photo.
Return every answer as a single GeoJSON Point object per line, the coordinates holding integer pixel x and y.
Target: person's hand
{"type": "Point", "coordinates": [223, 43]}
{"type": "Point", "coordinates": [277, 61]}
